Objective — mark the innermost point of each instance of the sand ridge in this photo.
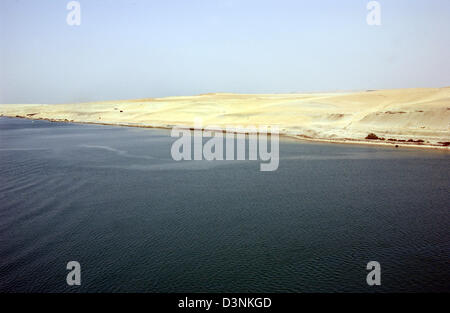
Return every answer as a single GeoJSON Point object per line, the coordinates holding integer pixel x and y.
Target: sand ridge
{"type": "Point", "coordinates": [397, 115]}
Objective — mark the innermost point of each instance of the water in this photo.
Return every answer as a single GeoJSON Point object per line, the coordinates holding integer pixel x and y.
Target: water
{"type": "Point", "coordinates": [112, 199]}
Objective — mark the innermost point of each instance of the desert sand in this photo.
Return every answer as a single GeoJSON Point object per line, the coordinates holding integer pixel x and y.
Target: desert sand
{"type": "Point", "coordinates": [396, 116]}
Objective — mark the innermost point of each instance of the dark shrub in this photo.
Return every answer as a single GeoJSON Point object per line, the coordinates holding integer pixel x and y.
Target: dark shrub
{"type": "Point", "coordinates": [372, 136]}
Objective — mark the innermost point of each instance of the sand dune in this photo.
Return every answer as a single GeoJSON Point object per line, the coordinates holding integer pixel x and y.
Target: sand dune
{"type": "Point", "coordinates": [399, 114]}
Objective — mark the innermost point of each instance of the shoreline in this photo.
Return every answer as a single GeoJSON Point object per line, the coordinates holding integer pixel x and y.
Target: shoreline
{"type": "Point", "coordinates": [413, 118]}
{"type": "Point", "coordinates": [346, 141]}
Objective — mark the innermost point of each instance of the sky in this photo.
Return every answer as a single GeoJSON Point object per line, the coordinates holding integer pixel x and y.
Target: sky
{"type": "Point", "coordinates": [129, 49]}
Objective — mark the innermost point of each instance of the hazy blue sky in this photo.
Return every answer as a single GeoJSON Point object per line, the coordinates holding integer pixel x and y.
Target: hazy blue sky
{"type": "Point", "coordinates": [127, 49]}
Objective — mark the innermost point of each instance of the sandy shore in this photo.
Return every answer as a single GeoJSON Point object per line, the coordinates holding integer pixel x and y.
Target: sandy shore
{"type": "Point", "coordinates": [420, 116]}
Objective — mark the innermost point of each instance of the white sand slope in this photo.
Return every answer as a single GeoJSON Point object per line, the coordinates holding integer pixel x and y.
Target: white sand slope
{"type": "Point", "coordinates": [401, 114]}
